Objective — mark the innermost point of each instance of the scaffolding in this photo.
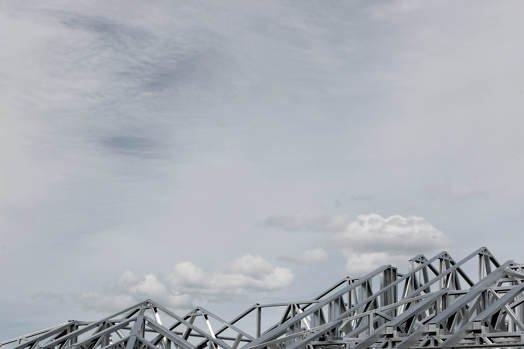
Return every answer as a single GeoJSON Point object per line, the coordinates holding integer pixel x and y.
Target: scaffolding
{"type": "Point", "coordinates": [438, 303]}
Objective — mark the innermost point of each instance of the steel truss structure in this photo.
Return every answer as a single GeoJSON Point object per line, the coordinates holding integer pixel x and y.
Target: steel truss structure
{"type": "Point", "coordinates": [437, 304]}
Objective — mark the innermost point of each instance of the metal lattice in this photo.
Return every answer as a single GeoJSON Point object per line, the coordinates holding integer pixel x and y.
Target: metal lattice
{"type": "Point", "coordinates": [437, 304]}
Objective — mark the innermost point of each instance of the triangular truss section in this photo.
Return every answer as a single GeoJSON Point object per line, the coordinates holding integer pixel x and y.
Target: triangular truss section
{"type": "Point", "coordinates": [438, 303]}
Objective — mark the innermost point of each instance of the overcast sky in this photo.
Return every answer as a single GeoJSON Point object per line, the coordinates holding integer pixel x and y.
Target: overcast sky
{"type": "Point", "coordinates": [221, 153]}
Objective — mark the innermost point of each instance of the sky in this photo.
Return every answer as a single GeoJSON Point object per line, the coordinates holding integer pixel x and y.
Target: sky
{"type": "Point", "coordinates": [224, 153]}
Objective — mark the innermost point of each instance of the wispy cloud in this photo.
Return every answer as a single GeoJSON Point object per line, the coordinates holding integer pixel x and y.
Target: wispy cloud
{"type": "Point", "coordinates": [310, 256]}
{"type": "Point", "coordinates": [305, 223]}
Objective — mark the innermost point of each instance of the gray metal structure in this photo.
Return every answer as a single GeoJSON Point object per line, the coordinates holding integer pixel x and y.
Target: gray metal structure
{"type": "Point", "coordinates": [436, 304]}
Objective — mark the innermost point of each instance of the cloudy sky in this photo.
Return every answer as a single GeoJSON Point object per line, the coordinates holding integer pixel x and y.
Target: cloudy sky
{"type": "Point", "coordinates": [221, 153]}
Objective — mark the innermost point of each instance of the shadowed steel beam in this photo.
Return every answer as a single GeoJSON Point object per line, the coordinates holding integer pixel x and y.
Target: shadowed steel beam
{"type": "Point", "coordinates": [488, 312]}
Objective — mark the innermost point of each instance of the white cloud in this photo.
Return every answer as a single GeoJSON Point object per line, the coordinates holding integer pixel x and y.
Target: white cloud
{"type": "Point", "coordinates": [245, 273]}
{"type": "Point", "coordinates": [310, 256]}
{"type": "Point", "coordinates": [362, 263]}
{"type": "Point", "coordinates": [394, 235]}
{"type": "Point", "coordinates": [372, 240]}
{"type": "Point", "coordinates": [151, 286]}
{"type": "Point", "coordinates": [187, 273]}
{"type": "Point", "coordinates": [368, 241]}
{"type": "Point", "coordinates": [187, 284]}
{"type": "Point", "coordinates": [251, 265]}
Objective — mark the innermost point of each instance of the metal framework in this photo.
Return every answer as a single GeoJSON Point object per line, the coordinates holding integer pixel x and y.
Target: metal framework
{"type": "Point", "coordinates": [436, 304]}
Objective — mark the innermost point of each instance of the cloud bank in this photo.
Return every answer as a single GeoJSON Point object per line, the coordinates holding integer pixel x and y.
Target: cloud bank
{"type": "Point", "coordinates": [394, 235]}
{"type": "Point", "coordinates": [187, 285]}
{"type": "Point", "coordinates": [372, 240]}
{"type": "Point", "coordinates": [368, 241]}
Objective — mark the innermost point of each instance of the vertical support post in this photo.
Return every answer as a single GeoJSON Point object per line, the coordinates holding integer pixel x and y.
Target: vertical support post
{"type": "Point", "coordinates": [259, 320]}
